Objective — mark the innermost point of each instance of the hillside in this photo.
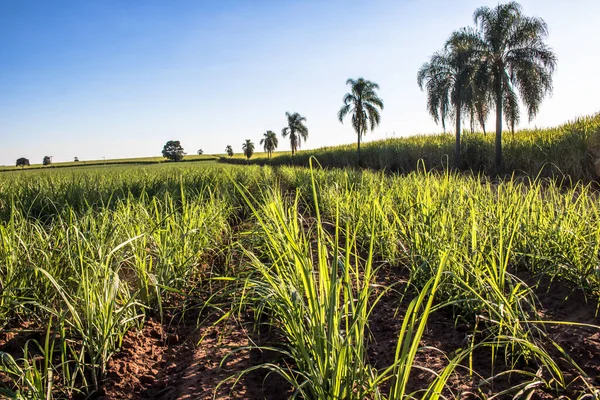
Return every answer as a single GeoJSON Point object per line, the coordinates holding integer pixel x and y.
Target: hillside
{"type": "Point", "coordinates": [572, 149]}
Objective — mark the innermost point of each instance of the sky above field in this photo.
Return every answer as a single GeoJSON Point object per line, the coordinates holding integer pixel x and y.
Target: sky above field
{"type": "Point", "coordinates": [114, 78]}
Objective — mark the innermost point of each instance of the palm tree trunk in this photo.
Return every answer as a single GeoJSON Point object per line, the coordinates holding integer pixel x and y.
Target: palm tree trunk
{"type": "Point", "coordinates": [457, 160]}
{"type": "Point", "coordinates": [359, 135]}
{"type": "Point", "coordinates": [498, 161]}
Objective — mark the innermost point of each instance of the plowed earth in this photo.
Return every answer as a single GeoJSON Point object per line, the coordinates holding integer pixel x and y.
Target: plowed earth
{"type": "Point", "coordinates": [185, 362]}
{"type": "Point", "coordinates": [200, 357]}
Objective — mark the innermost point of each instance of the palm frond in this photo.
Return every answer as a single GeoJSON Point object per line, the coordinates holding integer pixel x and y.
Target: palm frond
{"type": "Point", "coordinates": [511, 108]}
{"type": "Point", "coordinates": [373, 115]}
{"type": "Point", "coordinates": [343, 112]}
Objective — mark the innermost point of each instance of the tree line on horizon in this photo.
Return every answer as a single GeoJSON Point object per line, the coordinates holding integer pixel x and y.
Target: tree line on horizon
{"type": "Point", "coordinates": [295, 130]}
{"type": "Point", "coordinates": [499, 63]}
{"type": "Point", "coordinates": [47, 160]}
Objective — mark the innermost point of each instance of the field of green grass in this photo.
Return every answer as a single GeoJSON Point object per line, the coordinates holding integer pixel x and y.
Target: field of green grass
{"type": "Point", "coordinates": [343, 284]}
{"type": "Point", "coordinates": [111, 162]}
{"type": "Point", "coordinates": [139, 160]}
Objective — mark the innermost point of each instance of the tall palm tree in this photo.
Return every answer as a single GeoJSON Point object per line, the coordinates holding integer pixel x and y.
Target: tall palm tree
{"type": "Point", "coordinates": [248, 148]}
{"type": "Point", "coordinates": [363, 103]}
{"type": "Point", "coordinates": [269, 142]}
{"type": "Point", "coordinates": [515, 58]}
{"type": "Point", "coordinates": [229, 150]}
{"type": "Point", "coordinates": [450, 78]}
{"type": "Point", "coordinates": [296, 130]}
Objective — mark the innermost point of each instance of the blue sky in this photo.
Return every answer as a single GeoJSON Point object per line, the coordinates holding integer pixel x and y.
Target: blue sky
{"type": "Point", "coordinates": [108, 78]}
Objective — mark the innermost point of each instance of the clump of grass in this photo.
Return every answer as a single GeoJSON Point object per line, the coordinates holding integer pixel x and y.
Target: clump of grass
{"type": "Point", "coordinates": [485, 231]}
{"type": "Point", "coordinates": [320, 292]}
{"type": "Point", "coordinates": [33, 374]}
{"type": "Point", "coordinates": [97, 270]}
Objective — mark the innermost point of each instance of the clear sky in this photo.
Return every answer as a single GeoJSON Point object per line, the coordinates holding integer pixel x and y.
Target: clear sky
{"type": "Point", "coordinates": [118, 78]}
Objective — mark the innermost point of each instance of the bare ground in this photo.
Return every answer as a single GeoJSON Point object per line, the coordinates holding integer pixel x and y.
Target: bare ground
{"type": "Point", "coordinates": [186, 359]}
{"type": "Point", "coordinates": [173, 363]}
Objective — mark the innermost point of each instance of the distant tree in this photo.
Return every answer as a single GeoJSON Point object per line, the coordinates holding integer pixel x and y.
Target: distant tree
{"type": "Point", "coordinates": [514, 57]}
{"type": "Point", "coordinates": [22, 162]}
{"type": "Point", "coordinates": [296, 130]}
{"type": "Point", "coordinates": [173, 151]}
{"type": "Point", "coordinates": [229, 150]}
{"type": "Point", "coordinates": [269, 142]}
{"type": "Point", "coordinates": [248, 148]}
{"type": "Point", "coordinates": [76, 159]}
{"type": "Point", "coordinates": [363, 103]}
{"type": "Point", "coordinates": [47, 160]}
{"type": "Point", "coordinates": [200, 152]}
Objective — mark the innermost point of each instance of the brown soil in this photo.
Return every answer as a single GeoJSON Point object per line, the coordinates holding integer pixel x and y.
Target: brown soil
{"type": "Point", "coordinates": [183, 359]}
{"type": "Point", "coordinates": [14, 338]}
{"type": "Point", "coordinates": [190, 362]}
{"type": "Point", "coordinates": [152, 367]}
{"type": "Point", "coordinates": [443, 337]}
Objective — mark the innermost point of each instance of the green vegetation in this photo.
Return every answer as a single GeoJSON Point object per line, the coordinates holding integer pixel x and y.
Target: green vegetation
{"type": "Point", "coordinates": [173, 151]}
{"type": "Point", "coordinates": [269, 142]}
{"type": "Point", "coordinates": [296, 130]}
{"type": "Point", "coordinates": [504, 60]}
{"type": "Point", "coordinates": [487, 66]}
{"type": "Point", "coordinates": [113, 162]}
{"type": "Point", "coordinates": [248, 148]}
{"type": "Point", "coordinates": [314, 263]}
{"type": "Point", "coordinates": [89, 255]}
{"type": "Point", "coordinates": [22, 162]}
{"type": "Point", "coordinates": [450, 78]}
{"type": "Point", "coordinates": [499, 63]}
{"type": "Point", "coordinates": [513, 58]}
{"type": "Point", "coordinates": [363, 103]}
{"type": "Point", "coordinates": [572, 149]}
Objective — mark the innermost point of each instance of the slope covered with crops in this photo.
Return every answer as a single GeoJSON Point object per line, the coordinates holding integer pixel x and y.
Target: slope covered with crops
{"type": "Point", "coordinates": [571, 149]}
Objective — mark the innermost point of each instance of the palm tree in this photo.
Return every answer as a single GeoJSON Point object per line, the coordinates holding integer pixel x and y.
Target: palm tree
{"type": "Point", "coordinates": [248, 148]}
{"type": "Point", "coordinates": [269, 142]}
{"type": "Point", "coordinates": [514, 58]}
{"type": "Point", "coordinates": [363, 103]}
{"type": "Point", "coordinates": [229, 150]}
{"type": "Point", "coordinates": [296, 130]}
{"type": "Point", "coordinates": [451, 82]}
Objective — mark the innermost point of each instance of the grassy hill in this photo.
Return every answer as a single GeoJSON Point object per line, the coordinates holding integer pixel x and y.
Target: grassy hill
{"type": "Point", "coordinates": [572, 148]}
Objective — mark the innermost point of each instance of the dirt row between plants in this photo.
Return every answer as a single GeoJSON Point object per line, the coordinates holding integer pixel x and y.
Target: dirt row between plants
{"type": "Point", "coordinates": [191, 356]}
{"type": "Point", "coordinates": [184, 360]}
